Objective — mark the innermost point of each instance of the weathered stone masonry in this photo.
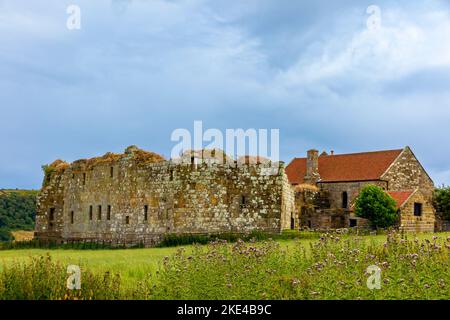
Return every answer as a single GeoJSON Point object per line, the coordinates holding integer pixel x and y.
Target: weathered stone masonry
{"type": "Point", "coordinates": [338, 179]}
{"type": "Point", "coordinates": [131, 198]}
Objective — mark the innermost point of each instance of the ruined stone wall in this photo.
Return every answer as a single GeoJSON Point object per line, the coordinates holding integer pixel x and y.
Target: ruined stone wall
{"type": "Point", "coordinates": [423, 223]}
{"type": "Point", "coordinates": [131, 200]}
{"type": "Point", "coordinates": [288, 209]}
{"type": "Point", "coordinates": [51, 201]}
{"type": "Point", "coordinates": [406, 173]}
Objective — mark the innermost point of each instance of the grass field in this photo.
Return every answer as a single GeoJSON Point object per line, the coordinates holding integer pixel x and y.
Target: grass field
{"type": "Point", "coordinates": [135, 264]}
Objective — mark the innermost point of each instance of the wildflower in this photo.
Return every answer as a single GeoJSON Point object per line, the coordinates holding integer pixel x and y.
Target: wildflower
{"type": "Point", "coordinates": [426, 286]}
{"type": "Point", "coordinates": [229, 285]}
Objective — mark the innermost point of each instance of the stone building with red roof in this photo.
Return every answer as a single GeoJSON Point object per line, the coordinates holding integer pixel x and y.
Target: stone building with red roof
{"type": "Point", "coordinates": [340, 177]}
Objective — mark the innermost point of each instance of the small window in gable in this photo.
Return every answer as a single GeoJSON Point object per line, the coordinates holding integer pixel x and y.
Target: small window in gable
{"type": "Point", "coordinates": [417, 209]}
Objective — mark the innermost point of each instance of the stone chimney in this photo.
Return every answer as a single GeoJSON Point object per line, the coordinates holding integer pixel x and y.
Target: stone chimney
{"type": "Point", "coordinates": [312, 167]}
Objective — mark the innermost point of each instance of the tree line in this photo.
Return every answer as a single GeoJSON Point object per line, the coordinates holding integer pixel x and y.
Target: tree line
{"type": "Point", "coordinates": [17, 211]}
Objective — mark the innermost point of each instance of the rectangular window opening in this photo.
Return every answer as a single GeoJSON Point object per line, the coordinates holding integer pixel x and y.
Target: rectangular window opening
{"type": "Point", "coordinates": [71, 217]}
{"type": "Point", "coordinates": [145, 212]}
{"type": "Point", "coordinates": [51, 215]}
{"type": "Point", "coordinates": [99, 212]}
{"type": "Point", "coordinates": [108, 213]}
{"type": "Point", "coordinates": [90, 212]}
{"type": "Point", "coordinates": [417, 209]}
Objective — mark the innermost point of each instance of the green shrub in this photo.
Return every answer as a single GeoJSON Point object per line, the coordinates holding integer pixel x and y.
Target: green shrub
{"type": "Point", "coordinates": [172, 240]}
{"type": "Point", "coordinates": [5, 235]}
{"type": "Point", "coordinates": [17, 211]}
{"type": "Point", "coordinates": [442, 201]}
{"type": "Point", "coordinates": [374, 204]}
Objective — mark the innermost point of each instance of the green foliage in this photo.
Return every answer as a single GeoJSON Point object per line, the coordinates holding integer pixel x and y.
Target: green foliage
{"type": "Point", "coordinates": [172, 240]}
{"type": "Point", "coordinates": [42, 279]}
{"type": "Point", "coordinates": [48, 170]}
{"type": "Point", "coordinates": [377, 206]}
{"type": "Point", "coordinates": [17, 211]}
{"type": "Point", "coordinates": [5, 234]}
{"type": "Point", "coordinates": [53, 245]}
{"type": "Point", "coordinates": [333, 268]}
{"type": "Point", "coordinates": [442, 201]}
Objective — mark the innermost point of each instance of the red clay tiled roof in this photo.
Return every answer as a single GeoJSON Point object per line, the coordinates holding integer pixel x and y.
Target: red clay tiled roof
{"type": "Point", "coordinates": [400, 196]}
{"type": "Point", "coordinates": [345, 167]}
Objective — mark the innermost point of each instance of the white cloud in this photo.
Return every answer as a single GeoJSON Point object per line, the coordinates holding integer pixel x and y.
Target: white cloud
{"type": "Point", "coordinates": [404, 44]}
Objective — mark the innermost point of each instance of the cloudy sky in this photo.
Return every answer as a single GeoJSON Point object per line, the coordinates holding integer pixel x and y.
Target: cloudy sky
{"type": "Point", "coordinates": [138, 69]}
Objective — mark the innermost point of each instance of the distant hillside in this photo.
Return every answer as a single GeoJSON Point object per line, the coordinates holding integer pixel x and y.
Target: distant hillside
{"type": "Point", "coordinates": [17, 211]}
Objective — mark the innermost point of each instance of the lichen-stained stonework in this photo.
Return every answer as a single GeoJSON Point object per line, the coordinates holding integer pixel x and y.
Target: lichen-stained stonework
{"type": "Point", "coordinates": [339, 180]}
{"type": "Point", "coordinates": [406, 173]}
{"type": "Point", "coordinates": [425, 222]}
{"type": "Point", "coordinates": [139, 196]}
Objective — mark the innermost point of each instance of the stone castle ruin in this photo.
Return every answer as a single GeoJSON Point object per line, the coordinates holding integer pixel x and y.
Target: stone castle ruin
{"type": "Point", "coordinates": [139, 196]}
